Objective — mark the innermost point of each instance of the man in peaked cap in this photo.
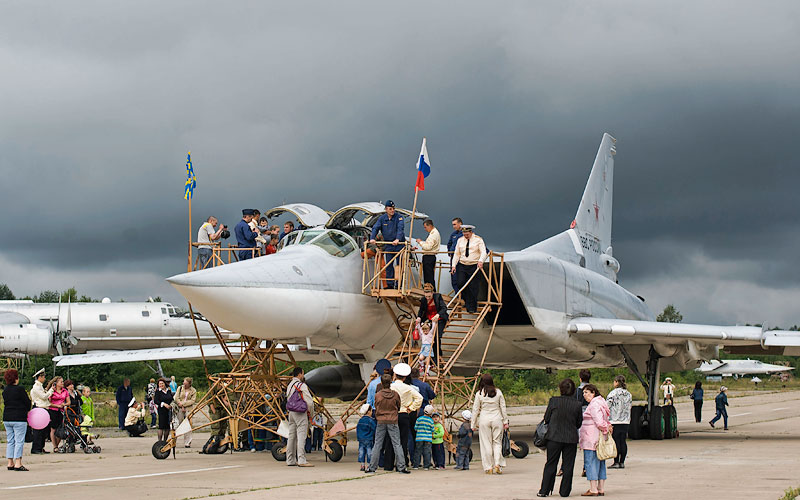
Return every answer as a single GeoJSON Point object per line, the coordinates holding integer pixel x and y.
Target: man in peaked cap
{"type": "Point", "coordinates": [392, 228]}
{"type": "Point", "coordinates": [470, 252]}
{"type": "Point", "coordinates": [40, 399]}
{"type": "Point", "coordinates": [245, 235]}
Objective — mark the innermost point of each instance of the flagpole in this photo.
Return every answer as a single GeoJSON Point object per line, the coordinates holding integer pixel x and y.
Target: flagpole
{"type": "Point", "coordinates": [189, 265]}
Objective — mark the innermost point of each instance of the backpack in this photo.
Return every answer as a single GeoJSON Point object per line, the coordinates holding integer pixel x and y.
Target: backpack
{"type": "Point", "coordinates": [212, 446]}
{"type": "Point", "coordinates": [296, 403]}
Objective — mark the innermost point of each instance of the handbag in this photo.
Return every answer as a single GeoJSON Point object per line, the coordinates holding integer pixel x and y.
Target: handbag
{"type": "Point", "coordinates": [296, 403]}
{"type": "Point", "coordinates": [606, 447]}
{"type": "Point", "coordinates": [539, 439]}
{"type": "Point", "coordinates": [506, 443]}
{"type": "Point", "coordinates": [415, 334]}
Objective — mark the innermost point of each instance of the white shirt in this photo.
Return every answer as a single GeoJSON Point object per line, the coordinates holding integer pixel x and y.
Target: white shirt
{"type": "Point", "coordinates": [204, 235]}
{"type": "Point", "coordinates": [410, 398]}
{"type": "Point", "coordinates": [477, 251]}
{"type": "Point", "coordinates": [432, 242]}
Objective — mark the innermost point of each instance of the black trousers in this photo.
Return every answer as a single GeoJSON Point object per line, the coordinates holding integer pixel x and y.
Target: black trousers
{"type": "Point", "coordinates": [566, 451]}
{"type": "Point", "coordinates": [620, 435]}
{"type": "Point", "coordinates": [39, 438]}
{"type": "Point", "coordinates": [412, 434]}
{"type": "Point", "coordinates": [403, 422]}
{"type": "Point", "coordinates": [698, 409]}
{"type": "Point", "coordinates": [470, 294]}
{"type": "Point", "coordinates": [429, 270]}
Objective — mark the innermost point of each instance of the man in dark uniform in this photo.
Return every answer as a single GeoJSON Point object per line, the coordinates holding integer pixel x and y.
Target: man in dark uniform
{"type": "Point", "coordinates": [433, 308]}
{"type": "Point", "coordinates": [124, 395]}
{"type": "Point", "coordinates": [451, 246]}
{"type": "Point", "coordinates": [392, 228]}
{"type": "Point", "coordinates": [245, 236]}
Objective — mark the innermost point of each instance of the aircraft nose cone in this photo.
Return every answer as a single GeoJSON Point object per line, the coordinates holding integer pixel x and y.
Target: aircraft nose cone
{"type": "Point", "coordinates": [273, 297]}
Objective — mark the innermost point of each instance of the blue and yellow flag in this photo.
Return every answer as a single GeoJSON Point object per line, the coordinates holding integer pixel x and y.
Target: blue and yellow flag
{"type": "Point", "coordinates": [191, 180]}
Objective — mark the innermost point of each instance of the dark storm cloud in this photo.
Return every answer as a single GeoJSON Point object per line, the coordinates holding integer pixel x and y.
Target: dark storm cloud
{"type": "Point", "coordinates": [327, 103]}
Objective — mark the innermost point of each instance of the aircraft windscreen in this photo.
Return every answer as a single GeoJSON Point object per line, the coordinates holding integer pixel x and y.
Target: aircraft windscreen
{"type": "Point", "coordinates": [307, 236]}
{"type": "Point", "coordinates": [335, 243]}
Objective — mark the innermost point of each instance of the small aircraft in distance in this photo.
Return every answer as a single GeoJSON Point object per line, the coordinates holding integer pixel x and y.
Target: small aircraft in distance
{"type": "Point", "coordinates": [28, 328]}
{"type": "Point", "coordinates": [735, 367]}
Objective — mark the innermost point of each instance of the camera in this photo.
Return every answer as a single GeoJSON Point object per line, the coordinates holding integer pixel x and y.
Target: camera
{"type": "Point", "coordinates": [225, 234]}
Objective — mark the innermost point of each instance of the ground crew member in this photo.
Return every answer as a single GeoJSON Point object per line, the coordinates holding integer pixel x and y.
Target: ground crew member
{"type": "Point", "coordinates": [245, 236]}
{"type": "Point", "coordinates": [451, 247]}
{"type": "Point", "coordinates": [392, 228]}
{"type": "Point", "coordinates": [429, 248]}
{"type": "Point", "coordinates": [470, 252]}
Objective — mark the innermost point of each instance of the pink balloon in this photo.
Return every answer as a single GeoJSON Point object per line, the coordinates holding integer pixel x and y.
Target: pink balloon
{"type": "Point", "coordinates": [38, 418]}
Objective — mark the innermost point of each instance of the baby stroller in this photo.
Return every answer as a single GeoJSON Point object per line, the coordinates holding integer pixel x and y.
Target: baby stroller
{"type": "Point", "coordinates": [70, 433]}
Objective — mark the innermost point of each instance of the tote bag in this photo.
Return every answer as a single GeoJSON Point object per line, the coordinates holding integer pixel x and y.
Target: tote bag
{"type": "Point", "coordinates": [606, 447]}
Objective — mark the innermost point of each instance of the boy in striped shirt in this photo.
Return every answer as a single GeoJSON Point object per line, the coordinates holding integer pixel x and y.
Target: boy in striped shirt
{"type": "Point", "coordinates": [424, 430]}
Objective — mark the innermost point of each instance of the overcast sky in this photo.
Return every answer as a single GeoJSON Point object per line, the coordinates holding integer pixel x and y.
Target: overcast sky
{"type": "Point", "coordinates": [327, 102]}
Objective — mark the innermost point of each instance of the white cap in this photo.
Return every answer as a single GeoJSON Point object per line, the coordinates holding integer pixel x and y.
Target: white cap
{"type": "Point", "coordinates": [468, 227]}
{"type": "Point", "coordinates": [402, 370]}
{"type": "Point", "coordinates": [364, 409]}
{"type": "Point", "coordinates": [40, 372]}
{"type": "Point", "coordinates": [428, 409]}
{"type": "Point", "coordinates": [133, 402]}
{"type": "Point", "coordinates": [466, 415]}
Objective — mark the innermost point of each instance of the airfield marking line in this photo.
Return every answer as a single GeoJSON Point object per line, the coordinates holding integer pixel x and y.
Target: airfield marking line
{"type": "Point", "coordinates": [742, 414]}
{"type": "Point", "coordinates": [116, 478]}
{"type": "Point", "coordinates": [778, 409]}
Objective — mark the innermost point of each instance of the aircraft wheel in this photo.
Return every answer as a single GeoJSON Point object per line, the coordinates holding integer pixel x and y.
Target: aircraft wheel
{"type": "Point", "coordinates": [523, 449]}
{"type": "Point", "coordinates": [157, 453]}
{"type": "Point", "coordinates": [670, 422]}
{"type": "Point", "coordinates": [337, 452]}
{"type": "Point", "coordinates": [279, 451]}
{"type": "Point", "coordinates": [656, 423]}
{"type": "Point", "coordinates": [636, 429]}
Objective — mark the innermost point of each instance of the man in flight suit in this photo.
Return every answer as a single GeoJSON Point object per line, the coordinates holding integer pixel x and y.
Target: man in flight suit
{"type": "Point", "coordinates": [245, 235]}
{"type": "Point", "coordinates": [392, 228]}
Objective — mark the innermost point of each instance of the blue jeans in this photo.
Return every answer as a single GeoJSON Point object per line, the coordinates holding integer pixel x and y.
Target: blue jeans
{"type": "Point", "coordinates": [364, 452]}
{"type": "Point", "coordinates": [258, 441]}
{"type": "Point", "coordinates": [438, 454]}
{"type": "Point", "coordinates": [422, 449]}
{"type": "Point", "coordinates": [15, 435]}
{"type": "Point", "coordinates": [204, 254]}
{"type": "Point", "coordinates": [595, 469]}
{"type": "Point", "coordinates": [721, 412]}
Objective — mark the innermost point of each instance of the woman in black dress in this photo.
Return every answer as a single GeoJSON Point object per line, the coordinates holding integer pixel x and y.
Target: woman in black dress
{"type": "Point", "coordinates": [563, 417]}
{"type": "Point", "coordinates": [163, 399]}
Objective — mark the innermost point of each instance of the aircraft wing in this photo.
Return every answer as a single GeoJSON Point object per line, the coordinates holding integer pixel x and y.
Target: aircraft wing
{"type": "Point", "coordinates": [648, 331]}
{"type": "Point", "coordinates": [211, 351]}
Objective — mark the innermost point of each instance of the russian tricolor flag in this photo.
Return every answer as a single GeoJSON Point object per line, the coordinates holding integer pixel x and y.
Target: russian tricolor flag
{"type": "Point", "coordinates": [423, 166]}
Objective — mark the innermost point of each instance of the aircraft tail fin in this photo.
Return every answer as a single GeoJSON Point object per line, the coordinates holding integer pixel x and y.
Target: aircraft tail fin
{"type": "Point", "coordinates": [593, 219]}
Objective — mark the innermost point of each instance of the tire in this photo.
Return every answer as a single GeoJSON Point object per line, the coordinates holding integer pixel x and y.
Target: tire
{"type": "Point", "coordinates": [656, 423]}
{"type": "Point", "coordinates": [523, 449]}
{"type": "Point", "coordinates": [337, 452]}
{"type": "Point", "coordinates": [670, 422]}
{"type": "Point", "coordinates": [157, 453]}
{"type": "Point", "coordinates": [71, 448]}
{"type": "Point", "coordinates": [96, 449]}
{"type": "Point", "coordinates": [279, 451]}
{"type": "Point", "coordinates": [87, 450]}
{"type": "Point", "coordinates": [636, 429]}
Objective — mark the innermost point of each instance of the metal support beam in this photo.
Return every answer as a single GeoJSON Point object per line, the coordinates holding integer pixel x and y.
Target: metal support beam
{"type": "Point", "coordinates": [653, 377]}
{"type": "Point", "coordinates": [633, 367]}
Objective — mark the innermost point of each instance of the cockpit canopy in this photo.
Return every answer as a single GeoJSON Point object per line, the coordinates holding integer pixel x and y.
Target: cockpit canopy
{"type": "Point", "coordinates": [335, 242]}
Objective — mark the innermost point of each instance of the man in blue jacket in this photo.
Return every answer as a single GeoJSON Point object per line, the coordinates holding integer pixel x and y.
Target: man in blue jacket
{"type": "Point", "coordinates": [124, 396]}
{"type": "Point", "coordinates": [245, 236]}
{"type": "Point", "coordinates": [721, 401]}
{"type": "Point", "coordinates": [451, 247]}
{"type": "Point", "coordinates": [392, 227]}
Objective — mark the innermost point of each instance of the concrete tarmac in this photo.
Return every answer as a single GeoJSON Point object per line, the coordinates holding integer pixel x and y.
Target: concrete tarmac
{"type": "Point", "coordinates": [757, 458]}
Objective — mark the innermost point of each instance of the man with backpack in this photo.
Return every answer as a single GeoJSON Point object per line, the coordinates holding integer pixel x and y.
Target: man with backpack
{"type": "Point", "coordinates": [298, 405]}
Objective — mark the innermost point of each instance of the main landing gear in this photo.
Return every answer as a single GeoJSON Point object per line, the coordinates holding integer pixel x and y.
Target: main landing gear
{"type": "Point", "coordinates": [651, 420]}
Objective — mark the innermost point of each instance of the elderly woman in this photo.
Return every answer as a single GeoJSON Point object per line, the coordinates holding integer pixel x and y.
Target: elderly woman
{"type": "Point", "coordinates": [58, 401]}
{"type": "Point", "coordinates": [489, 418]}
{"type": "Point", "coordinates": [16, 404]}
{"type": "Point", "coordinates": [163, 399]}
{"type": "Point", "coordinates": [595, 422]}
{"type": "Point", "coordinates": [563, 417]}
{"type": "Point", "coordinates": [185, 399]}
{"type": "Point", "coordinates": [619, 404]}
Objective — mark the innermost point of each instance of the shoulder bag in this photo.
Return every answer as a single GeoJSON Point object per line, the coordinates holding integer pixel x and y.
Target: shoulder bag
{"type": "Point", "coordinates": [606, 447]}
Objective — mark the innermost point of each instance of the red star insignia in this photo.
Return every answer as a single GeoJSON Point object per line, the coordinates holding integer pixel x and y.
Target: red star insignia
{"type": "Point", "coordinates": [596, 211]}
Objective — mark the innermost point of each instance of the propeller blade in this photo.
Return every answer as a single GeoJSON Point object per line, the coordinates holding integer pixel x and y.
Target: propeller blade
{"type": "Point", "coordinates": [59, 349]}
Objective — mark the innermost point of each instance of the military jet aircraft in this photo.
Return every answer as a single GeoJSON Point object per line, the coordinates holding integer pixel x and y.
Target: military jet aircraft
{"type": "Point", "coordinates": [737, 367]}
{"type": "Point", "coordinates": [49, 328]}
{"type": "Point", "coordinates": [562, 304]}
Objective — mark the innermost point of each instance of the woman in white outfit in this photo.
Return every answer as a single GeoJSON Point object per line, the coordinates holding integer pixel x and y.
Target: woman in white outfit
{"type": "Point", "coordinates": [489, 418]}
